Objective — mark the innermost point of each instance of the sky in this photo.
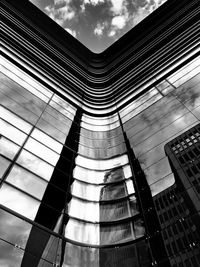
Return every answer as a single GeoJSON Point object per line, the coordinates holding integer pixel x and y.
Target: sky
{"type": "Point", "coordinates": [97, 23]}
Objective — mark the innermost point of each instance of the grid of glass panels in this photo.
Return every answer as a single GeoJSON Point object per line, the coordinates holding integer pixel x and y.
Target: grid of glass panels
{"type": "Point", "coordinates": [103, 209]}
{"type": "Point", "coordinates": [34, 125]}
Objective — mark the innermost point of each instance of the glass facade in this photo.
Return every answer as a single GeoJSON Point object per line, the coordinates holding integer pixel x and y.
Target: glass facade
{"type": "Point", "coordinates": [94, 176]}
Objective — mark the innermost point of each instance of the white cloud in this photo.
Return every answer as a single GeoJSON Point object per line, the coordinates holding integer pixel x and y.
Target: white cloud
{"type": "Point", "coordinates": [60, 2]}
{"type": "Point", "coordinates": [112, 33]}
{"type": "Point", "coordinates": [119, 22]}
{"type": "Point", "coordinates": [60, 14]}
{"type": "Point", "coordinates": [72, 32]}
{"type": "Point", "coordinates": [93, 2]}
{"type": "Point", "coordinates": [99, 28]}
{"type": "Point", "coordinates": [118, 6]}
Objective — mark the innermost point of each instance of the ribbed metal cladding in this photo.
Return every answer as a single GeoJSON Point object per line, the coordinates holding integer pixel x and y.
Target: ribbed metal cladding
{"type": "Point", "coordinates": [153, 53]}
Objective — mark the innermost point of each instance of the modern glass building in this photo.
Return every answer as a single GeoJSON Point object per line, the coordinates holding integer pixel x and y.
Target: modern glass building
{"type": "Point", "coordinates": [100, 153]}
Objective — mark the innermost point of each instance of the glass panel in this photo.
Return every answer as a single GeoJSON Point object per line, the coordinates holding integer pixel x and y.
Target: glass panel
{"type": "Point", "coordinates": [64, 108]}
{"type": "Point", "coordinates": [101, 164]}
{"type": "Point", "coordinates": [88, 211]}
{"type": "Point", "coordinates": [42, 151]}
{"type": "Point", "coordinates": [18, 108]}
{"type": "Point", "coordinates": [115, 211]}
{"type": "Point", "coordinates": [77, 256]}
{"type": "Point", "coordinates": [98, 177]}
{"type": "Point", "coordinates": [15, 120]}
{"type": "Point", "coordinates": [111, 192]}
{"type": "Point", "coordinates": [47, 140]}
{"type": "Point", "coordinates": [64, 104]}
{"type": "Point", "coordinates": [4, 163]}
{"type": "Point", "coordinates": [51, 130]}
{"type": "Point", "coordinates": [25, 81]}
{"type": "Point", "coordinates": [162, 184]}
{"type": "Point", "coordinates": [93, 127]}
{"type": "Point", "coordinates": [10, 256]}
{"type": "Point", "coordinates": [88, 192]}
{"type": "Point", "coordinates": [13, 229]}
{"type": "Point", "coordinates": [27, 181]}
{"type": "Point", "coordinates": [139, 228]}
{"type": "Point", "coordinates": [158, 170]}
{"type": "Point", "coordinates": [116, 234]}
{"type": "Point", "coordinates": [12, 133]}
{"type": "Point", "coordinates": [99, 121]}
{"type": "Point", "coordinates": [18, 201]}
{"type": "Point", "coordinates": [8, 148]}
{"type": "Point", "coordinates": [87, 233]}
{"type": "Point", "coordinates": [35, 165]}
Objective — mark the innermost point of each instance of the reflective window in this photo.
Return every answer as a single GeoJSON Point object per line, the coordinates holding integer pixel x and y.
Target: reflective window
{"type": "Point", "coordinates": [15, 120]}
{"type": "Point", "coordinates": [10, 255]}
{"type": "Point", "coordinates": [88, 211]}
{"type": "Point", "coordinates": [42, 151]}
{"type": "Point", "coordinates": [35, 165]}
{"type": "Point", "coordinates": [47, 140]}
{"type": "Point", "coordinates": [63, 107]}
{"type": "Point", "coordinates": [101, 164]}
{"type": "Point", "coordinates": [18, 201]}
{"type": "Point", "coordinates": [87, 233]}
{"type": "Point", "coordinates": [4, 163]}
{"type": "Point", "coordinates": [115, 234]}
{"type": "Point", "coordinates": [8, 148]}
{"type": "Point", "coordinates": [27, 181]}
{"type": "Point", "coordinates": [13, 229]}
{"type": "Point", "coordinates": [98, 177]}
{"type": "Point", "coordinates": [12, 133]}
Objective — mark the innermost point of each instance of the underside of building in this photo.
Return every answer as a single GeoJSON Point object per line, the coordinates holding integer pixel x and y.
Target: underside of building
{"type": "Point", "coordinates": [100, 153]}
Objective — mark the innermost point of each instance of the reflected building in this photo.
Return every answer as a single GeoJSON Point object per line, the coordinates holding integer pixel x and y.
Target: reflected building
{"type": "Point", "coordinates": [99, 153]}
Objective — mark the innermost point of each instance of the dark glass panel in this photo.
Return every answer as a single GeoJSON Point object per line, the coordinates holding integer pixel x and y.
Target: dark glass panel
{"type": "Point", "coordinates": [81, 256]}
{"type": "Point", "coordinates": [10, 256]}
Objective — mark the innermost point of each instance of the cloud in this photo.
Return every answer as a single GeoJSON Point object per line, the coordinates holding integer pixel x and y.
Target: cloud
{"type": "Point", "coordinates": [100, 28]}
{"type": "Point", "coordinates": [119, 22]}
{"type": "Point", "coordinates": [72, 32]}
{"type": "Point", "coordinates": [112, 33]}
{"type": "Point", "coordinates": [93, 2]}
{"type": "Point", "coordinates": [117, 6]}
{"type": "Point", "coordinates": [60, 13]}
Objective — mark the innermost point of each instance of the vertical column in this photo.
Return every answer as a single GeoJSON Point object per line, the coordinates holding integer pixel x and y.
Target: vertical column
{"type": "Point", "coordinates": [145, 200]}
{"type": "Point", "coordinates": [55, 198]}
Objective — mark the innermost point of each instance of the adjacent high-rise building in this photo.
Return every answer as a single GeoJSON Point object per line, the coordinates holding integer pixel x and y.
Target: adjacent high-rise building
{"type": "Point", "coordinates": [100, 153]}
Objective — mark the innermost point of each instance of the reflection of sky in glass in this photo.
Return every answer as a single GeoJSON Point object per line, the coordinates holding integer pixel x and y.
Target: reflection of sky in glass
{"type": "Point", "coordinates": [27, 181]}
{"type": "Point", "coordinates": [18, 201]}
{"type": "Point", "coordinates": [98, 177]}
{"type": "Point", "coordinates": [101, 164]}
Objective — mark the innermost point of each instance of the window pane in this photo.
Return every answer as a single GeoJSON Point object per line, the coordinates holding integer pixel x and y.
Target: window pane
{"type": "Point", "coordinates": [18, 201]}
{"type": "Point", "coordinates": [10, 255]}
{"type": "Point", "coordinates": [98, 177]}
{"type": "Point", "coordinates": [12, 133]}
{"type": "Point", "coordinates": [13, 229]}
{"type": "Point", "coordinates": [42, 151]}
{"type": "Point", "coordinates": [101, 164]}
{"type": "Point", "coordinates": [27, 181]}
{"type": "Point", "coordinates": [47, 140]}
{"type": "Point", "coordinates": [15, 120]}
{"type": "Point", "coordinates": [82, 232]}
{"type": "Point", "coordinates": [8, 148]}
{"type": "Point", "coordinates": [35, 165]}
{"type": "Point", "coordinates": [4, 163]}
{"type": "Point", "coordinates": [88, 211]}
